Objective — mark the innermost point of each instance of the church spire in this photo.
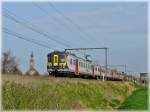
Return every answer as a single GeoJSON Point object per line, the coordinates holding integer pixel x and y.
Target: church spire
{"type": "Point", "coordinates": [31, 61]}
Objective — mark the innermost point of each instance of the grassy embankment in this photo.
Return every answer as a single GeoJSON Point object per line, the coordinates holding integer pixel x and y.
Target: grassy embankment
{"type": "Point", "coordinates": [137, 101]}
{"type": "Point", "coordinates": [27, 93]}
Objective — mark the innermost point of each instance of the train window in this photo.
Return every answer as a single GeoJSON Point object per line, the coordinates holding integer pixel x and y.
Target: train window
{"type": "Point", "coordinates": [74, 62]}
{"type": "Point", "coordinates": [81, 64]}
{"type": "Point", "coordinates": [99, 69]}
{"type": "Point", "coordinates": [56, 59]}
{"type": "Point", "coordinates": [61, 58]}
{"type": "Point", "coordinates": [71, 61]}
{"type": "Point", "coordinates": [91, 67]}
{"type": "Point", "coordinates": [49, 59]}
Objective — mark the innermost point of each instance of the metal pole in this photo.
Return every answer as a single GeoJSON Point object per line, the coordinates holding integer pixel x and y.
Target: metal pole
{"type": "Point", "coordinates": [105, 63]}
{"type": "Point", "coordinates": [125, 68]}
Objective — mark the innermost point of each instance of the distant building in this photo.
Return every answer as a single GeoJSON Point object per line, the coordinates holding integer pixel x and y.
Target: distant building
{"type": "Point", "coordinates": [32, 71]}
{"type": "Point", "coordinates": [144, 78]}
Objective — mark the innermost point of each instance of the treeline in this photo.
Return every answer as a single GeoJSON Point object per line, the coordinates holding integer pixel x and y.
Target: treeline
{"type": "Point", "coordinates": [10, 64]}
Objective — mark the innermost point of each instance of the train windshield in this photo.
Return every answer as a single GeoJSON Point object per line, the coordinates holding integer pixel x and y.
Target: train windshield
{"type": "Point", "coordinates": [49, 58]}
{"type": "Point", "coordinates": [62, 58]}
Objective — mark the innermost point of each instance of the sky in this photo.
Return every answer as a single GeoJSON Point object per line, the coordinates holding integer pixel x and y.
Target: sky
{"type": "Point", "coordinates": [120, 26]}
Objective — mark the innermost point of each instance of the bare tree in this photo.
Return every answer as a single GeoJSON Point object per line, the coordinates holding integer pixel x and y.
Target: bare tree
{"type": "Point", "coordinates": [10, 64]}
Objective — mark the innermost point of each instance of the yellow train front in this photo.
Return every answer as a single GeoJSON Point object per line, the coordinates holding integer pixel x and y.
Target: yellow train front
{"type": "Point", "coordinates": [56, 63]}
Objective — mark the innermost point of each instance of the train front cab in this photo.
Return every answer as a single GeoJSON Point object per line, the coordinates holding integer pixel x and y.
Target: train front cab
{"type": "Point", "coordinates": [56, 63]}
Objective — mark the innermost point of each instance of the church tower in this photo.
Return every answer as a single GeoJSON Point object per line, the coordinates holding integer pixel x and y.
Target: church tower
{"type": "Point", "coordinates": [31, 61]}
{"type": "Point", "coordinates": [32, 71]}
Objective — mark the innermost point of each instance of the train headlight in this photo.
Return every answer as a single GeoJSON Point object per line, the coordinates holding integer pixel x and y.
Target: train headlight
{"type": "Point", "coordinates": [63, 66]}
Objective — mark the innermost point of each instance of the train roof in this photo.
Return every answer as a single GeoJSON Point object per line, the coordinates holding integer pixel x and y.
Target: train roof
{"type": "Point", "coordinates": [61, 52]}
{"type": "Point", "coordinates": [72, 54]}
{"type": "Point", "coordinates": [58, 52]}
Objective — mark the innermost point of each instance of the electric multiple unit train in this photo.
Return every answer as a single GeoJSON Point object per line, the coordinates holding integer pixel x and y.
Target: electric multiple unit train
{"type": "Point", "coordinates": [64, 63]}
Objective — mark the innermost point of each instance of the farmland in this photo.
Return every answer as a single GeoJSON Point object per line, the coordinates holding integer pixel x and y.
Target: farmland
{"type": "Point", "coordinates": [50, 93]}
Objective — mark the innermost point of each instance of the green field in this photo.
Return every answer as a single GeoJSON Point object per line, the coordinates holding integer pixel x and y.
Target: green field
{"type": "Point", "coordinates": [50, 93]}
{"type": "Point", "coordinates": [137, 101]}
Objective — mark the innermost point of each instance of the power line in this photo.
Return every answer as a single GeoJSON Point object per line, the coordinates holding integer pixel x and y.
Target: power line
{"type": "Point", "coordinates": [9, 32]}
{"type": "Point", "coordinates": [46, 12]}
{"type": "Point", "coordinates": [55, 19]}
{"type": "Point", "coordinates": [71, 21]}
{"type": "Point", "coordinates": [35, 30]}
{"type": "Point", "coordinates": [31, 27]}
{"type": "Point", "coordinates": [28, 25]}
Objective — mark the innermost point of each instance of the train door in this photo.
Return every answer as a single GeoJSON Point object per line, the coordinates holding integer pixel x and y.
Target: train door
{"type": "Point", "coordinates": [100, 71]}
{"type": "Point", "coordinates": [55, 63]}
{"type": "Point", "coordinates": [77, 67]}
{"type": "Point", "coordinates": [92, 69]}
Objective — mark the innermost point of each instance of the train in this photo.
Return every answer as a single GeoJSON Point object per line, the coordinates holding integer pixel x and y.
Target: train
{"type": "Point", "coordinates": [62, 63]}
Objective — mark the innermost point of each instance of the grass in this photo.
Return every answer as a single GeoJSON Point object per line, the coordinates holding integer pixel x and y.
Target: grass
{"type": "Point", "coordinates": [49, 93]}
{"type": "Point", "coordinates": [137, 101]}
